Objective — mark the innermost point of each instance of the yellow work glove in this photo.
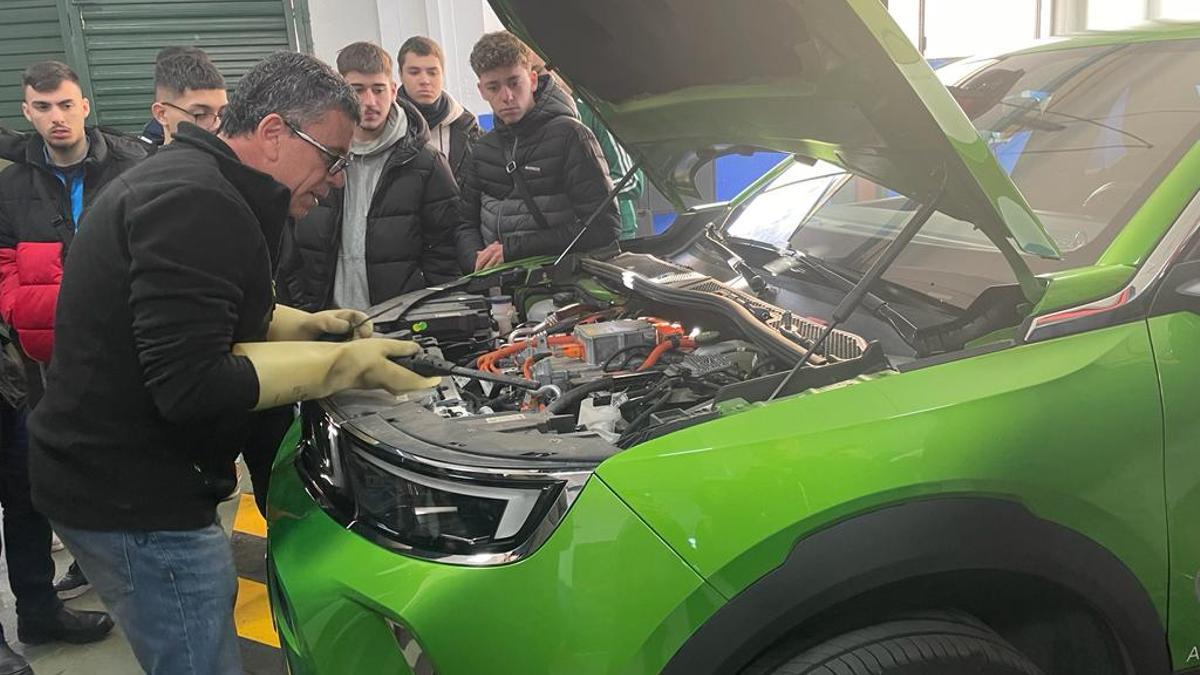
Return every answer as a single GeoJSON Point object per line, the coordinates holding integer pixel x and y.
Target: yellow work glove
{"type": "Point", "coordinates": [299, 371]}
{"type": "Point", "coordinates": [288, 323]}
{"type": "Point", "coordinates": [340, 321]}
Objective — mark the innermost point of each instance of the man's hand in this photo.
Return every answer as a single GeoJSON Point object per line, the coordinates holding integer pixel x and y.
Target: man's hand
{"type": "Point", "coordinates": [294, 325]}
{"type": "Point", "coordinates": [490, 256]}
{"type": "Point", "coordinates": [339, 322]}
{"type": "Point", "coordinates": [366, 364]}
{"type": "Point", "coordinates": [290, 371]}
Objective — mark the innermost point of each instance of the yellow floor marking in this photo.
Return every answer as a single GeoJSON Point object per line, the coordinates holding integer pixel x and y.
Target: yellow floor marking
{"type": "Point", "coordinates": [252, 613]}
{"type": "Point", "coordinates": [248, 520]}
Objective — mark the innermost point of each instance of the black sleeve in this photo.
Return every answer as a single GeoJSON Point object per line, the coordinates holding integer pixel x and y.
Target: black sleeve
{"type": "Point", "coordinates": [468, 237]}
{"type": "Point", "coordinates": [439, 224]}
{"type": "Point", "coordinates": [587, 186]}
{"type": "Point", "coordinates": [288, 290]}
{"type": "Point", "coordinates": [470, 137]}
{"type": "Point", "coordinates": [187, 270]}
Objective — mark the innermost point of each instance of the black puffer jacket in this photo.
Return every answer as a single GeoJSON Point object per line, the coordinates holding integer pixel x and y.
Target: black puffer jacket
{"type": "Point", "coordinates": [411, 224]}
{"type": "Point", "coordinates": [564, 168]}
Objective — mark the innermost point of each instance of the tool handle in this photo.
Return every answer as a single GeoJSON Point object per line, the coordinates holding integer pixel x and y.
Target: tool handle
{"type": "Point", "coordinates": [424, 365]}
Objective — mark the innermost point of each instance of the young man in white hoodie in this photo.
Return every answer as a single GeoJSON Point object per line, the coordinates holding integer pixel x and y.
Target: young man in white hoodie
{"type": "Point", "coordinates": [452, 128]}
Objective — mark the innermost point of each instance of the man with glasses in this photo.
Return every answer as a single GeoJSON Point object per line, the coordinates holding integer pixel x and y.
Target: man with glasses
{"type": "Point", "coordinates": [392, 229]}
{"type": "Point", "coordinates": [187, 88]}
{"type": "Point", "coordinates": [169, 337]}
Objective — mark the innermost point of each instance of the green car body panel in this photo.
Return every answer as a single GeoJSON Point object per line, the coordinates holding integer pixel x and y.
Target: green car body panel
{"type": "Point", "coordinates": [749, 485]}
{"type": "Point", "coordinates": [1094, 431]}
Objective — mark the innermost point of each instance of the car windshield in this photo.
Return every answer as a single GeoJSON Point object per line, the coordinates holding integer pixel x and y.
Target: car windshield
{"type": "Point", "coordinates": [1086, 134]}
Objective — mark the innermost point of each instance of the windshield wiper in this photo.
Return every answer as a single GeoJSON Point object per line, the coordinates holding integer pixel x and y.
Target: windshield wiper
{"type": "Point", "coordinates": [860, 290]}
{"type": "Point", "coordinates": [842, 281]}
{"type": "Point", "coordinates": [876, 305]}
{"type": "Point", "coordinates": [735, 261]}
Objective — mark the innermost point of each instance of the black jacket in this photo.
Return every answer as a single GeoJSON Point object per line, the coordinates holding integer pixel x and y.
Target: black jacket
{"type": "Point", "coordinates": [464, 132]}
{"type": "Point", "coordinates": [146, 406]}
{"type": "Point", "coordinates": [12, 144]}
{"type": "Point", "coordinates": [37, 226]}
{"type": "Point", "coordinates": [564, 168]}
{"type": "Point", "coordinates": [152, 133]}
{"type": "Point", "coordinates": [411, 223]}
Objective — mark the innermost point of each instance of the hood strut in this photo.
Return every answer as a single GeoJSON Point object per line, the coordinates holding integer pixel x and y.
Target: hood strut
{"type": "Point", "coordinates": [855, 296]}
{"type": "Point", "coordinates": [612, 194]}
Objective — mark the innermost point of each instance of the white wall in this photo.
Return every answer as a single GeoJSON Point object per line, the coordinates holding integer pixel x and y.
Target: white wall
{"type": "Point", "coordinates": [954, 27]}
{"type": "Point", "coordinates": [337, 23]}
{"type": "Point", "coordinates": [455, 24]}
{"type": "Point", "coordinates": [1115, 14]}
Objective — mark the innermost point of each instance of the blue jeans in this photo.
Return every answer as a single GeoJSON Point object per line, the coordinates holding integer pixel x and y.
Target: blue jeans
{"type": "Point", "coordinates": [171, 592]}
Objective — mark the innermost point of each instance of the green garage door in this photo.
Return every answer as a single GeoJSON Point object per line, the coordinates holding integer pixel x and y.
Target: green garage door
{"type": "Point", "coordinates": [119, 39]}
{"type": "Point", "coordinates": [29, 31]}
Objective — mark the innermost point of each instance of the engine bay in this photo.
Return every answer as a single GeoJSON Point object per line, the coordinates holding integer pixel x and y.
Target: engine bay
{"type": "Point", "coordinates": [620, 351]}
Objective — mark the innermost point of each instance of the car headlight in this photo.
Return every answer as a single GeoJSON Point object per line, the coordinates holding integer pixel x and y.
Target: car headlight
{"type": "Point", "coordinates": [451, 514]}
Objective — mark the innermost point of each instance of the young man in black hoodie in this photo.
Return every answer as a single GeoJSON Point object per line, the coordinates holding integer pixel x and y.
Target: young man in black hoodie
{"type": "Point", "coordinates": [452, 128]}
{"type": "Point", "coordinates": [392, 229]}
{"type": "Point", "coordinates": [538, 175]}
{"type": "Point", "coordinates": [168, 336]}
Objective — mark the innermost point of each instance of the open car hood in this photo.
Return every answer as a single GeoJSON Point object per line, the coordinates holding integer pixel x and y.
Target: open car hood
{"type": "Point", "coordinates": [681, 81]}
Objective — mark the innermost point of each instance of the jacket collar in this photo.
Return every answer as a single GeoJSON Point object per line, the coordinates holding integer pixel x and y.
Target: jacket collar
{"type": "Point", "coordinates": [13, 144]}
{"type": "Point", "coordinates": [268, 198]}
{"type": "Point", "coordinates": [415, 138]}
{"type": "Point", "coordinates": [97, 154]}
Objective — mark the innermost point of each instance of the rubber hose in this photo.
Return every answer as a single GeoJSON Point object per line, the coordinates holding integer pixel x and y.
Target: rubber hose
{"type": "Point", "coordinates": [576, 395]}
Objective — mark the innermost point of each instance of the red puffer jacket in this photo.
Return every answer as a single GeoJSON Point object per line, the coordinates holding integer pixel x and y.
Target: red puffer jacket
{"type": "Point", "coordinates": [36, 227]}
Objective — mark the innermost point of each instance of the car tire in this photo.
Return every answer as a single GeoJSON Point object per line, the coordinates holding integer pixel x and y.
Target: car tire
{"type": "Point", "coordinates": [931, 643]}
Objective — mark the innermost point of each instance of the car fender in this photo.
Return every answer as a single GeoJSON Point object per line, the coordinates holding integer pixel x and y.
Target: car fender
{"type": "Point", "coordinates": [919, 538]}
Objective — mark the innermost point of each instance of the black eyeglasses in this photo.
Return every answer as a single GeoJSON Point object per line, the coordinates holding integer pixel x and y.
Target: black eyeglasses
{"type": "Point", "coordinates": [334, 162]}
{"type": "Point", "coordinates": [204, 120]}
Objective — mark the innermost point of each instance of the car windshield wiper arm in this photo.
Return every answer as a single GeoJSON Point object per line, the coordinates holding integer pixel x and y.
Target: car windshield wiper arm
{"type": "Point", "coordinates": [905, 328]}
{"type": "Point", "coordinates": [856, 295]}
{"type": "Point", "coordinates": [901, 324]}
{"type": "Point", "coordinates": [735, 261]}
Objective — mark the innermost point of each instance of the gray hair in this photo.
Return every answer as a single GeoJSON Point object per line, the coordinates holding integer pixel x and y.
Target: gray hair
{"type": "Point", "coordinates": [299, 87]}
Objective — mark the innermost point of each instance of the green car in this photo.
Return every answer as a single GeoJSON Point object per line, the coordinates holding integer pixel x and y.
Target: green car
{"type": "Point", "coordinates": [925, 399]}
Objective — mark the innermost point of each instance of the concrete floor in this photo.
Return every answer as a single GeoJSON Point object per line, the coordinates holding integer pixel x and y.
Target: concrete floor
{"type": "Point", "coordinates": [110, 656]}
